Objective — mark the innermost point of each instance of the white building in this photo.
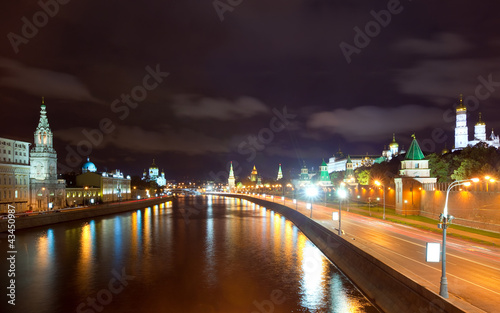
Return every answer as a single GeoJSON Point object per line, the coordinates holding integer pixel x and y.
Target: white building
{"type": "Point", "coordinates": [47, 192]}
{"type": "Point", "coordinates": [462, 130]}
{"type": "Point", "coordinates": [14, 174]}
{"type": "Point", "coordinates": [338, 162]}
{"type": "Point", "coordinates": [154, 175]}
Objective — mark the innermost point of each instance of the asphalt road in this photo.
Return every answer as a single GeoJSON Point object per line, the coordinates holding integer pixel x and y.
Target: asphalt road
{"type": "Point", "coordinates": [473, 270]}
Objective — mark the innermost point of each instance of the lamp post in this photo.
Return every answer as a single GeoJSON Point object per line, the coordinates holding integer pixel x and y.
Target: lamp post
{"type": "Point", "coordinates": [46, 192]}
{"type": "Point", "coordinates": [341, 194]}
{"type": "Point", "coordinates": [378, 183]}
{"type": "Point", "coordinates": [446, 219]}
{"type": "Point", "coordinates": [311, 192]}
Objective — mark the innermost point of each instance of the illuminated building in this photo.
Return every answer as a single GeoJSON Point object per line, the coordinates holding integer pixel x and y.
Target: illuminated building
{"type": "Point", "coordinates": [153, 175]}
{"type": "Point", "coordinates": [93, 187]}
{"type": "Point", "coordinates": [304, 176]}
{"type": "Point", "coordinates": [414, 174]}
{"type": "Point", "coordinates": [47, 192]}
{"type": "Point", "coordinates": [231, 179]}
{"type": "Point", "coordinates": [14, 174]}
{"type": "Point", "coordinates": [338, 162]}
{"type": "Point", "coordinates": [462, 130]}
{"type": "Point", "coordinates": [280, 173]}
{"type": "Point", "coordinates": [254, 175]}
{"type": "Point", "coordinates": [324, 177]}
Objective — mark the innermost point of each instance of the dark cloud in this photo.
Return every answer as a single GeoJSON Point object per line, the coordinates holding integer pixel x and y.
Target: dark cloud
{"type": "Point", "coordinates": [442, 44]}
{"type": "Point", "coordinates": [443, 80]}
{"type": "Point", "coordinates": [197, 107]}
{"type": "Point", "coordinates": [42, 82]}
{"type": "Point", "coordinates": [138, 140]}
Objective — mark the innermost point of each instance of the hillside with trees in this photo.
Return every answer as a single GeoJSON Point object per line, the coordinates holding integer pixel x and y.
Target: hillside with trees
{"type": "Point", "coordinates": [477, 161]}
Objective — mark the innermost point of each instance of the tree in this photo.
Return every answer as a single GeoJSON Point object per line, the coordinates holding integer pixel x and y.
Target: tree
{"type": "Point", "coordinates": [363, 176]}
{"type": "Point", "coordinates": [468, 169]}
{"type": "Point", "coordinates": [440, 167]}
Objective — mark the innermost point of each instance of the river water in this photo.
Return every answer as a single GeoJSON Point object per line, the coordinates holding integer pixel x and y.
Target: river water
{"type": "Point", "coordinates": [193, 254]}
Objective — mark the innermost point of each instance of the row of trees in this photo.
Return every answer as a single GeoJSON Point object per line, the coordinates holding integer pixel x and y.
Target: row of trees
{"type": "Point", "coordinates": [477, 161]}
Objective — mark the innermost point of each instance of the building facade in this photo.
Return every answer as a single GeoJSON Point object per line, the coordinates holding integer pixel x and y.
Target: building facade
{"type": "Point", "coordinates": [93, 187]}
{"type": "Point", "coordinates": [14, 175]}
{"type": "Point", "coordinates": [47, 192]}
{"type": "Point", "coordinates": [414, 177]}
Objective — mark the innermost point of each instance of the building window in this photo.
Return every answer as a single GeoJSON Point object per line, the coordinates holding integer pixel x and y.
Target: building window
{"type": "Point", "coordinates": [15, 194]}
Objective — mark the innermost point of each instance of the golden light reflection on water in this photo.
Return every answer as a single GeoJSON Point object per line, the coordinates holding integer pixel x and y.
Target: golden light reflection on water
{"type": "Point", "coordinates": [136, 236]}
{"type": "Point", "coordinates": [85, 261]}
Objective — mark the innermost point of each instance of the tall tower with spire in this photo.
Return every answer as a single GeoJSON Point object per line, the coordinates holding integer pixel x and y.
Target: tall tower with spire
{"type": "Point", "coordinates": [254, 174]}
{"type": "Point", "coordinates": [304, 175]}
{"type": "Point", "coordinates": [349, 171]}
{"type": "Point", "coordinates": [47, 192]}
{"type": "Point", "coordinates": [414, 177]}
{"type": "Point", "coordinates": [280, 173]}
{"type": "Point", "coordinates": [43, 157]}
{"type": "Point", "coordinates": [324, 177]}
{"type": "Point", "coordinates": [461, 129]}
{"type": "Point", "coordinates": [231, 180]}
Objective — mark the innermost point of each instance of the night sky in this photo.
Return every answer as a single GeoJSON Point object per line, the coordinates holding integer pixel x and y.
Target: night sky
{"type": "Point", "coordinates": [196, 84]}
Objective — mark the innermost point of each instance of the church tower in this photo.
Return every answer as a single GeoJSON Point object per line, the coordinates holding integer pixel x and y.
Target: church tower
{"type": "Point", "coordinates": [253, 175]}
{"type": "Point", "coordinates": [461, 129]}
{"type": "Point", "coordinates": [304, 175]}
{"type": "Point", "coordinates": [43, 157]}
{"type": "Point", "coordinates": [324, 177]}
{"type": "Point", "coordinates": [349, 171]}
{"type": "Point", "coordinates": [280, 173]}
{"type": "Point", "coordinates": [394, 146]}
{"type": "Point", "coordinates": [480, 130]}
{"type": "Point", "coordinates": [231, 180]}
{"type": "Point", "coordinates": [47, 192]}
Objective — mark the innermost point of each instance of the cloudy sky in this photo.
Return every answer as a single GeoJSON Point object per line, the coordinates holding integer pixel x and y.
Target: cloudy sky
{"type": "Point", "coordinates": [196, 84]}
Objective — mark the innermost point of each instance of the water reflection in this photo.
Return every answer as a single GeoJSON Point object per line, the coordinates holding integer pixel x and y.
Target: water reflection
{"type": "Point", "coordinates": [85, 274]}
{"type": "Point", "coordinates": [226, 256]}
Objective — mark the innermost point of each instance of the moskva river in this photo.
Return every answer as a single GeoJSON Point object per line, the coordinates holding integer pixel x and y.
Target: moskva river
{"type": "Point", "coordinates": [202, 254]}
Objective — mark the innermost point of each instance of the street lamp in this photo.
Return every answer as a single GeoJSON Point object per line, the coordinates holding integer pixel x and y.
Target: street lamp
{"type": "Point", "coordinates": [445, 219]}
{"type": "Point", "coordinates": [311, 192]}
{"type": "Point", "coordinates": [342, 194]}
{"type": "Point", "coordinates": [378, 183]}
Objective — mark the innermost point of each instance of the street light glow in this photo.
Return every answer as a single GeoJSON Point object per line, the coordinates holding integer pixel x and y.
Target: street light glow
{"type": "Point", "coordinates": [311, 191]}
